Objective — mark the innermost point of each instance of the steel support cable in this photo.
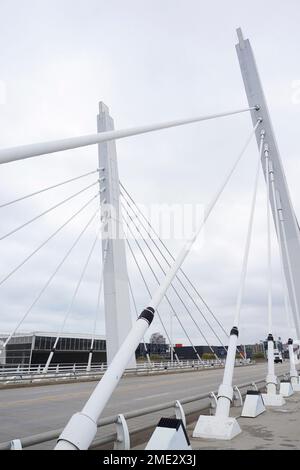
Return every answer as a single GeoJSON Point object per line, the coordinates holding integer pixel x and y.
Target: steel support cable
{"type": "Point", "coordinates": [43, 148]}
{"type": "Point", "coordinates": [159, 294]}
{"type": "Point", "coordinates": [167, 298]}
{"type": "Point", "coordinates": [71, 304]}
{"type": "Point", "coordinates": [248, 239]}
{"type": "Point", "coordinates": [281, 248]}
{"type": "Point", "coordinates": [181, 271]}
{"type": "Point", "coordinates": [48, 210]}
{"type": "Point", "coordinates": [288, 259]}
{"type": "Point", "coordinates": [269, 249]}
{"type": "Point", "coordinates": [70, 439]}
{"type": "Point", "coordinates": [271, 378]}
{"type": "Point", "coordinates": [150, 295]}
{"type": "Point", "coordinates": [105, 252]}
{"type": "Point", "coordinates": [137, 316]}
{"type": "Point", "coordinates": [37, 298]}
{"type": "Point", "coordinates": [172, 272]}
{"type": "Point", "coordinates": [179, 280]}
{"type": "Point", "coordinates": [48, 239]}
{"type": "Point", "coordinates": [176, 277]}
{"type": "Point", "coordinates": [79, 282]}
{"type": "Point", "coordinates": [22, 198]}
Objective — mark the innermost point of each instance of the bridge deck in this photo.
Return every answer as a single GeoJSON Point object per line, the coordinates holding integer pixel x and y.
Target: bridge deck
{"type": "Point", "coordinates": [28, 411]}
{"type": "Point", "coordinates": [277, 428]}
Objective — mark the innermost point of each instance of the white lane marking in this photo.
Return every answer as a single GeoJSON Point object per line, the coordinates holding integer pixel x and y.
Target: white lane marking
{"type": "Point", "coordinates": [153, 396]}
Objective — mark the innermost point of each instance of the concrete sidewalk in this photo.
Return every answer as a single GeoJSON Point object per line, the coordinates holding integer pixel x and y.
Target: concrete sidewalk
{"type": "Point", "coordinates": [277, 428]}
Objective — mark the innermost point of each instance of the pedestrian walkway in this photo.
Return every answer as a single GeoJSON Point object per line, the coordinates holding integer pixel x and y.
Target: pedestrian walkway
{"type": "Point", "coordinates": [277, 428]}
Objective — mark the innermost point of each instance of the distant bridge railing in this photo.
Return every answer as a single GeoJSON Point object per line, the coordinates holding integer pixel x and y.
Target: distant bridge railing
{"type": "Point", "coordinates": [32, 374]}
{"type": "Point", "coordinates": [120, 438]}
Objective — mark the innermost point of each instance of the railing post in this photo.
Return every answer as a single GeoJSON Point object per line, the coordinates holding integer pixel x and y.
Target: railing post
{"type": "Point", "coordinates": [213, 403]}
{"type": "Point", "coordinates": [254, 386]}
{"type": "Point", "coordinates": [179, 412]}
{"type": "Point", "coordinates": [293, 371]}
{"type": "Point", "coordinates": [237, 397]}
{"type": "Point", "coordinates": [16, 445]}
{"type": "Point", "coordinates": [123, 436]}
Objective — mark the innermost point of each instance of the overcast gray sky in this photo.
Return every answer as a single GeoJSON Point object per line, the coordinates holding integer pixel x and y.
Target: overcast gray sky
{"type": "Point", "coordinates": [148, 61]}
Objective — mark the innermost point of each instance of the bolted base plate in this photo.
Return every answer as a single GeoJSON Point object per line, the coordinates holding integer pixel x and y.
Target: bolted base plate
{"type": "Point", "coordinates": [214, 427]}
{"type": "Point", "coordinates": [253, 406]}
{"type": "Point", "coordinates": [272, 399]}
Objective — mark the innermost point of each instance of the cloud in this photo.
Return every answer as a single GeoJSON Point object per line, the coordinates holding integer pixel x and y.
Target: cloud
{"type": "Point", "coordinates": [150, 62]}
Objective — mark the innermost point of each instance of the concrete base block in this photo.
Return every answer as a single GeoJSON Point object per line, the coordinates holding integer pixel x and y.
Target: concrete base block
{"type": "Point", "coordinates": [170, 434]}
{"type": "Point", "coordinates": [214, 427]}
{"type": "Point", "coordinates": [272, 399]}
{"type": "Point", "coordinates": [286, 389]}
{"type": "Point", "coordinates": [253, 405]}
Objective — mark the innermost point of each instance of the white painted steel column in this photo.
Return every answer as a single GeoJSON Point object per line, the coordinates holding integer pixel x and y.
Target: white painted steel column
{"type": "Point", "coordinates": [225, 392]}
{"type": "Point", "coordinates": [293, 371]}
{"type": "Point", "coordinates": [271, 379]}
{"type": "Point", "coordinates": [43, 148]}
{"type": "Point", "coordinates": [255, 95]}
{"type": "Point", "coordinates": [50, 357]}
{"type": "Point", "coordinates": [89, 364]}
{"type": "Point", "coordinates": [118, 320]}
{"type": "Point", "coordinates": [269, 248]}
{"type": "Point", "coordinates": [82, 427]}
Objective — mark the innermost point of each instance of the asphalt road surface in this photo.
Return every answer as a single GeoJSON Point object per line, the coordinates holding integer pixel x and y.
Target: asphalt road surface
{"type": "Point", "coordinates": [27, 411]}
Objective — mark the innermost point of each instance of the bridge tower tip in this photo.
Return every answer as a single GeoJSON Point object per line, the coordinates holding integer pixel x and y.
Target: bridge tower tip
{"type": "Point", "coordinates": [240, 36]}
{"type": "Point", "coordinates": [103, 108]}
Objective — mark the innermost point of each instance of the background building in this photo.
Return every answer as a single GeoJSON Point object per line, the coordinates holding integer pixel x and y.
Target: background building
{"type": "Point", "coordinates": [157, 338]}
{"type": "Point", "coordinates": [154, 349]}
{"type": "Point", "coordinates": [34, 348]}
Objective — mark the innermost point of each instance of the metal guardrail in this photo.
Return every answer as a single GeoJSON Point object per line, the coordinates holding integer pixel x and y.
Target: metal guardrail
{"type": "Point", "coordinates": [53, 435]}
{"type": "Point", "coordinates": [101, 366]}
{"type": "Point", "coordinates": [64, 372]}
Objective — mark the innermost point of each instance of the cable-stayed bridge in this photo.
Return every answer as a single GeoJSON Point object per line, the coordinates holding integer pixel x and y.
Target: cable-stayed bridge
{"type": "Point", "coordinates": [123, 230]}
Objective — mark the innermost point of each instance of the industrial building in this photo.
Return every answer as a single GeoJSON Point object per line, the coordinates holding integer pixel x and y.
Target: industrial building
{"type": "Point", "coordinates": [34, 349]}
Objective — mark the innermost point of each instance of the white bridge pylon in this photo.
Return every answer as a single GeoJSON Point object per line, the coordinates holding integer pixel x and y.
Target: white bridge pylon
{"type": "Point", "coordinates": [118, 320]}
{"type": "Point", "coordinates": [289, 228]}
{"type": "Point", "coordinates": [115, 277]}
{"type": "Point", "coordinates": [82, 427]}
